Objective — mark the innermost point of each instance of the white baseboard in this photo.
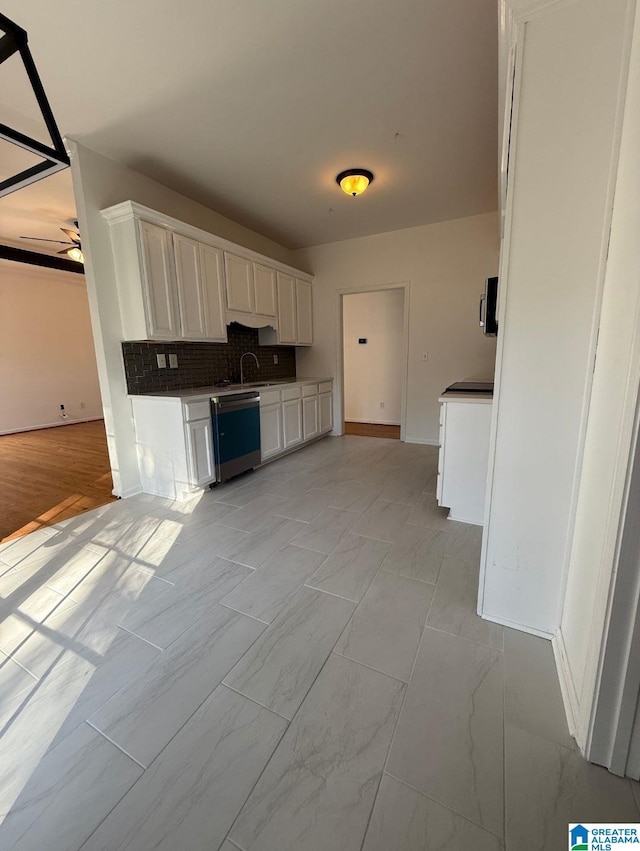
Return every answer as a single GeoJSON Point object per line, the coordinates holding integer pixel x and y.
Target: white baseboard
{"type": "Point", "coordinates": [373, 422]}
{"type": "Point", "coordinates": [129, 492]}
{"type": "Point", "coordinates": [423, 441]}
{"type": "Point", "coordinates": [50, 425]}
{"type": "Point", "coordinates": [569, 695]}
{"type": "Point", "coordinates": [465, 520]}
{"type": "Point", "coordinates": [513, 625]}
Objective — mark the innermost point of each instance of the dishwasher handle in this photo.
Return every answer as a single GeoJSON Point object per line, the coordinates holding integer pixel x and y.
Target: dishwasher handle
{"type": "Point", "coordinates": [235, 403]}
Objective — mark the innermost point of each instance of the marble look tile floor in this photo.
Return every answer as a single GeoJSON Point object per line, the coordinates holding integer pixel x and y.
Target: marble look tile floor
{"type": "Point", "coordinates": [289, 661]}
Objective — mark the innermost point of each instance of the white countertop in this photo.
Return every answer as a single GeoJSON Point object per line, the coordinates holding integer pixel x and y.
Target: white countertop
{"type": "Point", "coordinates": [195, 393]}
{"type": "Point", "coordinates": [473, 398]}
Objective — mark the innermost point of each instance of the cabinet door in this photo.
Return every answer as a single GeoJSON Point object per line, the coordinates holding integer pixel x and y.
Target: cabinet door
{"type": "Point", "coordinates": [239, 284]}
{"type": "Point", "coordinates": [271, 442]}
{"type": "Point", "coordinates": [310, 417]}
{"type": "Point", "coordinates": [304, 312]}
{"type": "Point", "coordinates": [190, 288]}
{"type": "Point", "coordinates": [264, 280]}
{"type": "Point", "coordinates": [200, 446]}
{"type": "Point", "coordinates": [292, 422]}
{"type": "Point", "coordinates": [212, 282]}
{"type": "Point", "coordinates": [287, 325]}
{"type": "Point", "coordinates": [159, 285]}
{"type": "Point", "coordinates": [325, 412]}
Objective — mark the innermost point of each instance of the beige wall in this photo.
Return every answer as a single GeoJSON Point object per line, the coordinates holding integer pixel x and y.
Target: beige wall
{"type": "Point", "coordinates": [46, 349]}
{"type": "Point", "coordinates": [446, 265]}
{"type": "Point", "coordinates": [374, 371]}
{"type": "Point", "coordinates": [99, 183]}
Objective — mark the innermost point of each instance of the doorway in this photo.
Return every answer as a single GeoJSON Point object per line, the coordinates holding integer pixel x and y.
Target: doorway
{"type": "Point", "coordinates": [374, 361]}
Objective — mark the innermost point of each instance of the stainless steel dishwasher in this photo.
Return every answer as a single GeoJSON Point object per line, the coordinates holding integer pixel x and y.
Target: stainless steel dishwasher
{"type": "Point", "coordinates": [236, 433]}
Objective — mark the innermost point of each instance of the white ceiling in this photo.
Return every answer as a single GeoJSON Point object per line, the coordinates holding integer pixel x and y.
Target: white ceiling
{"type": "Point", "coordinates": [253, 106]}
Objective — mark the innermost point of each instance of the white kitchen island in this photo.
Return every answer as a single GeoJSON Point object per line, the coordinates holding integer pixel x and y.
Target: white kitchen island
{"type": "Point", "coordinates": [465, 427]}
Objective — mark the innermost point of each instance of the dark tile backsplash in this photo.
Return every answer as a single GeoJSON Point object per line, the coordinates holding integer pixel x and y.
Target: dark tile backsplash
{"type": "Point", "coordinates": [202, 364]}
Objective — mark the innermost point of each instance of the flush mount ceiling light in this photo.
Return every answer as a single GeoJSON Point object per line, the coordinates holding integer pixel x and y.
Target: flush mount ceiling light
{"type": "Point", "coordinates": [354, 181]}
{"type": "Point", "coordinates": [13, 40]}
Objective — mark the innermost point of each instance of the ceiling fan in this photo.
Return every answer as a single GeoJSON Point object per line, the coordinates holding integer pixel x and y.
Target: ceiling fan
{"type": "Point", "coordinates": [75, 252]}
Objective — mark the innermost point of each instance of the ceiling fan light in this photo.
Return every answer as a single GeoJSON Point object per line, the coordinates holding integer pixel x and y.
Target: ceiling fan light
{"type": "Point", "coordinates": [354, 181]}
{"type": "Point", "coordinates": [76, 254]}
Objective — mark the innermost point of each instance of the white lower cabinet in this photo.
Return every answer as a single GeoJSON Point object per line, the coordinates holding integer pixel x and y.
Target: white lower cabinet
{"type": "Point", "coordinates": [174, 445]}
{"type": "Point", "coordinates": [294, 415]}
{"type": "Point", "coordinates": [325, 412]}
{"type": "Point", "coordinates": [200, 452]}
{"type": "Point", "coordinates": [174, 435]}
{"type": "Point", "coordinates": [271, 437]}
{"type": "Point", "coordinates": [310, 417]}
{"type": "Point", "coordinates": [292, 422]}
{"type": "Point", "coordinates": [463, 460]}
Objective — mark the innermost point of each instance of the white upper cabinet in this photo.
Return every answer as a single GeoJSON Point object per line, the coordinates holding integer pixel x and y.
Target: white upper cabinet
{"type": "Point", "coordinates": [177, 282]}
{"type": "Point", "coordinates": [287, 324]}
{"type": "Point", "coordinates": [295, 314]}
{"type": "Point", "coordinates": [304, 312]}
{"type": "Point", "coordinates": [159, 282]}
{"type": "Point", "coordinates": [190, 289]}
{"type": "Point", "coordinates": [251, 289]}
{"type": "Point", "coordinates": [240, 291]}
{"type": "Point", "coordinates": [199, 278]}
{"type": "Point", "coordinates": [212, 266]}
{"type": "Point", "coordinates": [264, 282]}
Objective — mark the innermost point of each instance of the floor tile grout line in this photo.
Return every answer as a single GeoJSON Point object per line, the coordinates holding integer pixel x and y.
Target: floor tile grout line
{"type": "Point", "coordinates": [116, 745]}
{"type": "Point", "coordinates": [369, 667]}
{"type": "Point", "coordinates": [284, 732]}
{"type": "Point", "coordinates": [253, 700]}
{"type": "Point", "coordinates": [445, 806]}
{"type": "Point", "coordinates": [406, 691]}
{"type": "Point", "coordinates": [146, 640]}
{"type": "Point", "coordinates": [462, 637]}
{"type": "Point", "coordinates": [122, 797]}
{"type": "Point", "coordinates": [397, 721]}
{"type": "Point", "coordinates": [406, 576]}
{"type": "Point", "coordinates": [239, 611]}
{"type": "Point", "coordinates": [9, 658]}
{"type": "Point", "coordinates": [330, 593]}
{"type": "Point", "coordinates": [197, 708]}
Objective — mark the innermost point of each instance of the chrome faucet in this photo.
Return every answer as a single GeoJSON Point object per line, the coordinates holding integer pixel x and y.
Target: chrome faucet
{"type": "Point", "coordinates": [241, 359]}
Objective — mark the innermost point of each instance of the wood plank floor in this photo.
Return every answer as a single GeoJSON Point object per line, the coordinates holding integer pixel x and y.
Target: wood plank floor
{"type": "Point", "coordinates": [372, 430]}
{"type": "Point", "coordinates": [51, 474]}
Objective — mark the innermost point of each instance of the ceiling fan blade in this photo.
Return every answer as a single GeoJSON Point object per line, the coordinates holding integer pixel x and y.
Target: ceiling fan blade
{"type": "Point", "coordinates": [40, 239]}
{"type": "Point", "coordinates": [72, 235]}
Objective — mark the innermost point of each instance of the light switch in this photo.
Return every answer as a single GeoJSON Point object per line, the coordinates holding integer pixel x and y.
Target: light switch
{"type": "Point", "coordinates": [173, 361]}
{"type": "Point", "coordinates": [162, 361]}
{"type": "Point", "coordinates": [425, 356]}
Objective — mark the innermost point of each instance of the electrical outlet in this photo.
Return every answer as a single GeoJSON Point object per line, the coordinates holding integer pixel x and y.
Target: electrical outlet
{"type": "Point", "coordinates": [162, 361]}
{"type": "Point", "coordinates": [173, 361]}
{"type": "Point", "coordinates": [425, 356]}
{"type": "Point", "coordinates": [275, 358]}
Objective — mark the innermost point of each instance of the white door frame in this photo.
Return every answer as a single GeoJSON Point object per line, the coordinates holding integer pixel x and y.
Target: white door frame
{"type": "Point", "coordinates": [372, 288]}
{"type": "Point", "coordinates": [603, 709]}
